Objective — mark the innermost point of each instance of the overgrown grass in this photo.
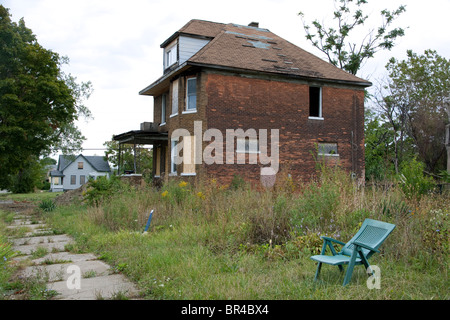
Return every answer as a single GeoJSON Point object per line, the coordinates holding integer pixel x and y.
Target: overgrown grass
{"type": "Point", "coordinates": [213, 242]}
{"type": "Point", "coordinates": [34, 197]}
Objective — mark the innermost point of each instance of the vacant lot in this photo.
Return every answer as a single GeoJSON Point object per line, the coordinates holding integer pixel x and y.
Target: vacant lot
{"type": "Point", "coordinates": [231, 242]}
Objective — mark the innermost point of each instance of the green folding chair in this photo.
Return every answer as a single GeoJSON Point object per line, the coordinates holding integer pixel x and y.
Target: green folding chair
{"type": "Point", "coordinates": [357, 251]}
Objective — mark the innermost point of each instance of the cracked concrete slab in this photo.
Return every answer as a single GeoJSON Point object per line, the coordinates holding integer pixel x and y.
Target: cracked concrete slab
{"type": "Point", "coordinates": [103, 287]}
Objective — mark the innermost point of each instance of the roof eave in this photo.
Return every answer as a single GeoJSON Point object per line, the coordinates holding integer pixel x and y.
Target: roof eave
{"type": "Point", "coordinates": [155, 87]}
{"type": "Point", "coordinates": [364, 84]}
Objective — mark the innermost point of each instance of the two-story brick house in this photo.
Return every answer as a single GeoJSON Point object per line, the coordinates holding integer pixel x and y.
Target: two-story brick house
{"type": "Point", "coordinates": [221, 77]}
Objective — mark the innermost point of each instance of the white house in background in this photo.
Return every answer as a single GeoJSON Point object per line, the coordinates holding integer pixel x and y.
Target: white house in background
{"type": "Point", "coordinates": [74, 171]}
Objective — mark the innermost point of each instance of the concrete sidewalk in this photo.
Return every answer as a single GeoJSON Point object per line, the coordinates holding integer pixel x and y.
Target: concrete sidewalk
{"type": "Point", "coordinates": [72, 276]}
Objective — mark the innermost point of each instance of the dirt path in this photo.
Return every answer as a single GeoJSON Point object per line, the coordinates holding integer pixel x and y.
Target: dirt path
{"type": "Point", "coordinates": [69, 276]}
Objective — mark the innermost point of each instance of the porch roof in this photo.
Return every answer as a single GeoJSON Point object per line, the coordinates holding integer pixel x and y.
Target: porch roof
{"type": "Point", "coordinates": [141, 137]}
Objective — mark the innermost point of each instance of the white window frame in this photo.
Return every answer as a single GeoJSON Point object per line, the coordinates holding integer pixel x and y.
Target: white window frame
{"type": "Point", "coordinates": [320, 116]}
{"type": "Point", "coordinates": [333, 144]}
{"type": "Point", "coordinates": [173, 156]}
{"type": "Point", "coordinates": [247, 145]}
{"type": "Point", "coordinates": [174, 98]}
{"type": "Point", "coordinates": [170, 55]}
{"type": "Point", "coordinates": [188, 109]}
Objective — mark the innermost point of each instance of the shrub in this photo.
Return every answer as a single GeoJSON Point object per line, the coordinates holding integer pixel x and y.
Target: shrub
{"type": "Point", "coordinates": [413, 182]}
{"type": "Point", "coordinates": [6, 252]}
{"type": "Point", "coordinates": [47, 205]}
{"type": "Point", "coordinates": [103, 188]}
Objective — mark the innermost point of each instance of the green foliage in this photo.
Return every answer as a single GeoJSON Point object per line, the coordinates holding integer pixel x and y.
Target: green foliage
{"type": "Point", "coordinates": [315, 206]}
{"type": "Point", "coordinates": [336, 41]}
{"type": "Point", "coordinates": [28, 178]}
{"type": "Point", "coordinates": [144, 158]}
{"type": "Point", "coordinates": [103, 188]}
{"type": "Point", "coordinates": [229, 244]}
{"type": "Point", "coordinates": [6, 252]}
{"type": "Point", "coordinates": [237, 183]}
{"type": "Point", "coordinates": [413, 101]}
{"type": "Point", "coordinates": [436, 234]}
{"type": "Point", "coordinates": [379, 153]}
{"type": "Point", "coordinates": [38, 102]}
{"type": "Point", "coordinates": [413, 181]}
{"type": "Point", "coordinates": [47, 205]}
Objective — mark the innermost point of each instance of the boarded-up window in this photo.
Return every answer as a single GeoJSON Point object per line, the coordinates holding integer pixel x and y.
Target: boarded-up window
{"type": "Point", "coordinates": [175, 97]}
{"type": "Point", "coordinates": [80, 165]}
{"type": "Point", "coordinates": [189, 155]}
{"type": "Point", "coordinates": [158, 162]}
{"type": "Point", "coordinates": [163, 109]}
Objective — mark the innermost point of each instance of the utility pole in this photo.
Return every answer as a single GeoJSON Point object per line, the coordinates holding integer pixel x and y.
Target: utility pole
{"type": "Point", "coordinates": [447, 132]}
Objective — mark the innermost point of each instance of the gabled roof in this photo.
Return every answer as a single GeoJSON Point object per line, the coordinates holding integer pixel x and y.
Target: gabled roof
{"type": "Point", "coordinates": [253, 49]}
{"type": "Point", "coordinates": [197, 28]}
{"type": "Point", "coordinates": [97, 162]}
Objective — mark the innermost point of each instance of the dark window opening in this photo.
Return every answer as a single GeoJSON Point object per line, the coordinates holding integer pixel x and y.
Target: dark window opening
{"type": "Point", "coordinates": [315, 102]}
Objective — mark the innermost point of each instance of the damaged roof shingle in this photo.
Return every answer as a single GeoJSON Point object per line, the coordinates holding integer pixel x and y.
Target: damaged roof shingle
{"type": "Point", "coordinates": [230, 48]}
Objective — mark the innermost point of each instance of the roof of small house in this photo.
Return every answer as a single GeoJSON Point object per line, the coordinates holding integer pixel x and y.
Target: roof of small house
{"type": "Point", "coordinates": [97, 162]}
{"type": "Point", "coordinates": [253, 49]}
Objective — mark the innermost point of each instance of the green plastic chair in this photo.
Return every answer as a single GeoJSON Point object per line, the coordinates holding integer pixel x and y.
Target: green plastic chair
{"type": "Point", "coordinates": [357, 251]}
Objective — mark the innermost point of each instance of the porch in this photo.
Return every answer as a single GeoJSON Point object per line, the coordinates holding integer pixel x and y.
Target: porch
{"type": "Point", "coordinates": [148, 134]}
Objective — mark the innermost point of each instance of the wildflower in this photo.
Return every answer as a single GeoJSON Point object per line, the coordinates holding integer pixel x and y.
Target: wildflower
{"type": "Point", "coordinates": [201, 195]}
{"type": "Point", "coordinates": [182, 184]}
{"type": "Point", "coordinates": [165, 193]}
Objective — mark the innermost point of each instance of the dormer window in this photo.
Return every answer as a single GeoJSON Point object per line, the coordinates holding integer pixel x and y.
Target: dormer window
{"type": "Point", "coordinates": [170, 55]}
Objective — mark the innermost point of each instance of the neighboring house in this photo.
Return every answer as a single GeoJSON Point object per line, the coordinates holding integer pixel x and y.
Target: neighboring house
{"type": "Point", "coordinates": [74, 171]}
{"type": "Point", "coordinates": [227, 77]}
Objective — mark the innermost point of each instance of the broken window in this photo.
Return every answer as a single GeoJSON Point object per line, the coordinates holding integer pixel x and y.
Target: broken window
{"type": "Point", "coordinates": [328, 149]}
{"type": "Point", "coordinates": [315, 102]}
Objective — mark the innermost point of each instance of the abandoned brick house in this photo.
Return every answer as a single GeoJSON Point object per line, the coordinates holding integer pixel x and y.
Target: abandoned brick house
{"type": "Point", "coordinates": [228, 77]}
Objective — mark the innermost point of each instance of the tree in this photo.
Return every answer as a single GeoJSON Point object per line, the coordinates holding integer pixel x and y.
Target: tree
{"type": "Point", "coordinates": [414, 102]}
{"type": "Point", "coordinates": [335, 41]}
{"type": "Point", "coordinates": [144, 157]}
{"type": "Point", "coordinates": [39, 103]}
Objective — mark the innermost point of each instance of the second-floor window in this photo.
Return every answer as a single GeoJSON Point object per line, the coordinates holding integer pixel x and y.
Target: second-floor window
{"type": "Point", "coordinates": [315, 102]}
{"type": "Point", "coordinates": [80, 165]}
{"type": "Point", "coordinates": [170, 55]}
{"type": "Point", "coordinates": [174, 97]}
{"type": "Point", "coordinates": [163, 109]}
{"type": "Point", "coordinates": [191, 94]}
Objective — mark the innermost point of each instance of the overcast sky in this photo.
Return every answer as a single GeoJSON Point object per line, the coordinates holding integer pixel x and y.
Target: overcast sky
{"type": "Point", "coordinates": [116, 44]}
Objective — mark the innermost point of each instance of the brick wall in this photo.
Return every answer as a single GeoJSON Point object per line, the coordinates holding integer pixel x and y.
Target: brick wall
{"type": "Point", "coordinates": [241, 102]}
{"type": "Point", "coordinates": [227, 101]}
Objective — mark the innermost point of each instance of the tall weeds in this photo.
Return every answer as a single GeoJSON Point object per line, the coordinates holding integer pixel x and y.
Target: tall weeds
{"type": "Point", "coordinates": [291, 217]}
